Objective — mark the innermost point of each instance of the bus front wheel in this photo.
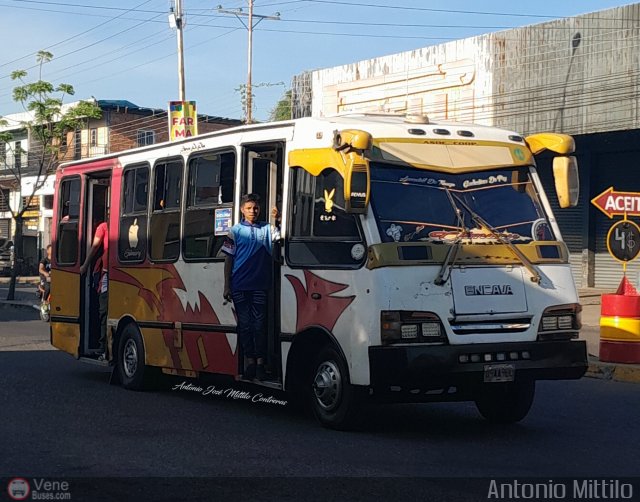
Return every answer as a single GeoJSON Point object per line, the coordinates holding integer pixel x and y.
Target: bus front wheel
{"type": "Point", "coordinates": [506, 403]}
{"type": "Point", "coordinates": [133, 373]}
{"type": "Point", "coordinates": [335, 402]}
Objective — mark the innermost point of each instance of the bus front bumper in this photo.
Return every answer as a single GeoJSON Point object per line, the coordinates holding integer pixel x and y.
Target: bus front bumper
{"type": "Point", "coordinates": [455, 372]}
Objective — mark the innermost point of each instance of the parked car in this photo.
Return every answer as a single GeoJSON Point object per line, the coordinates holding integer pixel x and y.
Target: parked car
{"type": "Point", "coordinates": [6, 251]}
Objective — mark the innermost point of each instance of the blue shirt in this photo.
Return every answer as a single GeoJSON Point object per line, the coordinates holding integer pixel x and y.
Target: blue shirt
{"type": "Point", "coordinates": [251, 246]}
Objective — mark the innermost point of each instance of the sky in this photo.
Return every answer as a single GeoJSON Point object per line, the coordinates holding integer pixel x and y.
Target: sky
{"type": "Point", "coordinates": [126, 50]}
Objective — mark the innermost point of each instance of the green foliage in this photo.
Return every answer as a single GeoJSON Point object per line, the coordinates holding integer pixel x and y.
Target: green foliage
{"type": "Point", "coordinates": [282, 110]}
{"type": "Point", "coordinates": [43, 57]}
{"type": "Point", "coordinates": [49, 123]}
{"type": "Point", "coordinates": [46, 128]}
{"type": "Point", "coordinates": [5, 136]}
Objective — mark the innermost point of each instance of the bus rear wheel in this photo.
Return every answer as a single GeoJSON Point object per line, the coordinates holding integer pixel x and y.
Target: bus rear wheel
{"type": "Point", "coordinates": [506, 403]}
{"type": "Point", "coordinates": [335, 402]}
{"type": "Point", "coordinates": [133, 372]}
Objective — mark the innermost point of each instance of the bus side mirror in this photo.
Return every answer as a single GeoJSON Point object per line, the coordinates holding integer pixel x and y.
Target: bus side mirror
{"type": "Point", "coordinates": [356, 184]}
{"type": "Point", "coordinates": [567, 181]}
{"type": "Point", "coordinates": [352, 144]}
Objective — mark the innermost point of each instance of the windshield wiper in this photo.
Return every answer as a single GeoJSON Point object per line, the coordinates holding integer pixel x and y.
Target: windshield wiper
{"type": "Point", "coordinates": [480, 221]}
{"type": "Point", "coordinates": [452, 254]}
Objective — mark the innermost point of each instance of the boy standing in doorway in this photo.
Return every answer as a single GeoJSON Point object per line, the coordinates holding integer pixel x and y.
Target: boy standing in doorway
{"type": "Point", "coordinates": [247, 278]}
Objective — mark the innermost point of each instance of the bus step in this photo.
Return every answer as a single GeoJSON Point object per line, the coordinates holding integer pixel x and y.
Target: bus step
{"type": "Point", "coordinates": [272, 384]}
{"type": "Point", "coordinates": [94, 361]}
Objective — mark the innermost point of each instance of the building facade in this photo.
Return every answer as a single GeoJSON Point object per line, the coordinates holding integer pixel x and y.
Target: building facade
{"type": "Point", "coordinates": [578, 75]}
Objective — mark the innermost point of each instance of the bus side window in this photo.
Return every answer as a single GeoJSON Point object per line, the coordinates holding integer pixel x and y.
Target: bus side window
{"type": "Point", "coordinates": [322, 233]}
{"type": "Point", "coordinates": [68, 216]}
{"type": "Point", "coordinates": [132, 238]}
{"type": "Point", "coordinates": [164, 234]}
{"type": "Point", "coordinates": [209, 205]}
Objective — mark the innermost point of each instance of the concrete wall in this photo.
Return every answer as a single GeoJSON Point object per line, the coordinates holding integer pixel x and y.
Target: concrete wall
{"type": "Point", "coordinates": [577, 75]}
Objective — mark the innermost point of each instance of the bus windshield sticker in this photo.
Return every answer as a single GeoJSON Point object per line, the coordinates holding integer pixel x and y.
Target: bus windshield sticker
{"type": "Point", "coordinates": [475, 234]}
{"type": "Point", "coordinates": [394, 231]}
{"type": "Point", "coordinates": [328, 200]}
{"type": "Point", "coordinates": [223, 221]}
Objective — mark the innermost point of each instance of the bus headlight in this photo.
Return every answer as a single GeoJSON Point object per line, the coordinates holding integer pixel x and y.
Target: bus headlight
{"type": "Point", "coordinates": [560, 322]}
{"type": "Point", "coordinates": [408, 327]}
{"type": "Point", "coordinates": [409, 331]}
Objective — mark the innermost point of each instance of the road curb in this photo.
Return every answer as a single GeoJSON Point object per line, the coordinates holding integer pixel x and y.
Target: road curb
{"type": "Point", "coordinates": [21, 280]}
{"type": "Point", "coordinates": [613, 371]}
{"type": "Point", "coordinates": [6, 304]}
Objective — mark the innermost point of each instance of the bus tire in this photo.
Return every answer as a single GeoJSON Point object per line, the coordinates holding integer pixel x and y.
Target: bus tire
{"type": "Point", "coordinates": [506, 403]}
{"type": "Point", "coordinates": [335, 402]}
{"type": "Point", "coordinates": [133, 372]}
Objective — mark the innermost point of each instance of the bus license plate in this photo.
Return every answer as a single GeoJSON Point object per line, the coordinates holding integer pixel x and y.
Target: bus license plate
{"type": "Point", "coordinates": [499, 373]}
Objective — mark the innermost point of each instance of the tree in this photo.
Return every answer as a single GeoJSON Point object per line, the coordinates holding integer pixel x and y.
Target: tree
{"type": "Point", "coordinates": [282, 110]}
{"type": "Point", "coordinates": [46, 127]}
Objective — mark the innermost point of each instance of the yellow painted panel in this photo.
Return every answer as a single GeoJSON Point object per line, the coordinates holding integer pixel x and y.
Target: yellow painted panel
{"type": "Point", "coordinates": [620, 329]}
{"type": "Point", "coordinates": [316, 160]}
{"type": "Point", "coordinates": [203, 353]}
{"type": "Point", "coordinates": [124, 299]}
{"type": "Point", "coordinates": [451, 156]}
{"type": "Point", "coordinates": [65, 293]}
{"type": "Point", "coordinates": [562, 144]}
{"type": "Point", "coordinates": [156, 351]}
{"type": "Point", "coordinates": [66, 337]}
{"type": "Point", "coordinates": [386, 254]}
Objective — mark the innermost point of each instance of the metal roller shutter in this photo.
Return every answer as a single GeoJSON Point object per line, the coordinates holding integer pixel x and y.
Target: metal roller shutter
{"type": "Point", "coordinates": [613, 170]}
{"type": "Point", "coordinates": [5, 227]}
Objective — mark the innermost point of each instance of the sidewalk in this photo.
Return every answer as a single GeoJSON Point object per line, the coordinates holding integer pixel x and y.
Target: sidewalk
{"type": "Point", "coordinates": [25, 293]}
{"type": "Point", "coordinates": [589, 298]}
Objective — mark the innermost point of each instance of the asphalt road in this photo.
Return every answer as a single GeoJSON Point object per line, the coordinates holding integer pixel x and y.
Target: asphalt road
{"type": "Point", "coordinates": [60, 419]}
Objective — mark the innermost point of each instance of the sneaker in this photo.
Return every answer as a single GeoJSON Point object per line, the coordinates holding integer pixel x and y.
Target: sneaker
{"type": "Point", "coordinates": [102, 357]}
{"type": "Point", "coordinates": [261, 374]}
{"type": "Point", "coordinates": [250, 372]}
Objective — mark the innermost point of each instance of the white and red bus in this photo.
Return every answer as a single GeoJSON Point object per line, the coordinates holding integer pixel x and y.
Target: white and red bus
{"type": "Point", "coordinates": [419, 262]}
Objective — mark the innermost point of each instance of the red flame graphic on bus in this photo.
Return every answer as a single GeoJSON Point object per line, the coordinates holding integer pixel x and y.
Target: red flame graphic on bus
{"type": "Point", "coordinates": [205, 351]}
{"type": "Point", "coordinates": [315, 303]}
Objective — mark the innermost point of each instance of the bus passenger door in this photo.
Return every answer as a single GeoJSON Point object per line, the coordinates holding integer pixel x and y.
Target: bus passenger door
{"type": "Point", "coordinates": [263, 175]}
{"type": "Point", "coordinates": [65, 278]}
{"type": "Point", "coordinates": [96, 211]}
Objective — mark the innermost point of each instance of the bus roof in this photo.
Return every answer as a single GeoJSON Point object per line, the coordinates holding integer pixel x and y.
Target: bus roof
{"type": "Point", "coordinates": [315, 132]}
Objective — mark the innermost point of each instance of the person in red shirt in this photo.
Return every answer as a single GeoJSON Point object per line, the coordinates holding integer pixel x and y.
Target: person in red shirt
{"type": "Point", "coordinates": [100, 269]}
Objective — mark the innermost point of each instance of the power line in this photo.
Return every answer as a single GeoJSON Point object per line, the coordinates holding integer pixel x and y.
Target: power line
{"type": "Point", "coordinates": [427, 9]}
{"type": "Point", "coordinates": [76, 35]}
{"type": "Point", "coordinates": [87, 46]}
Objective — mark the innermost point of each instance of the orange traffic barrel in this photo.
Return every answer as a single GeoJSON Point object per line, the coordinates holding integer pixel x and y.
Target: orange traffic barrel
{"type": "Point", "coordinates": [620, 327]}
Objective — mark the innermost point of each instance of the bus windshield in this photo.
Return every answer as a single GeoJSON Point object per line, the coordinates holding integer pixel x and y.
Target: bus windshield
{"type": "Point", "coordinates": [417, 205]}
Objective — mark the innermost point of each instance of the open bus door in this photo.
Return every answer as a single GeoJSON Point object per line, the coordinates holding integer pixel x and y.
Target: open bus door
{"type": "Point", "coordinates": [96, 211]}
{"type": "Point", "coordinates": [263, 175]}
{"type": "Point", "coordinates": [65, 278]}
{"type": "Point", "coordinates": [73, 311]}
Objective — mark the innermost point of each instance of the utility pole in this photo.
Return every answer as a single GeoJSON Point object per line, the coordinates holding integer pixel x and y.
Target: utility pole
{"type": "Point", "coordinates": [249, 27]}
{"type": "Point", "coordinates": [176, 20]}
{"type": "Point", "coordinates": [249, 64]}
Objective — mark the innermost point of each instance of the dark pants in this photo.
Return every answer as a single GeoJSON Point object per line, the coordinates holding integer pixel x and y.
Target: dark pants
{"type": "Point", "coordinates": [251, 309]}
{"type": "Point", "coordinates": [46, 289]}
{"type": "Point", "coordinates": [102, 314]}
